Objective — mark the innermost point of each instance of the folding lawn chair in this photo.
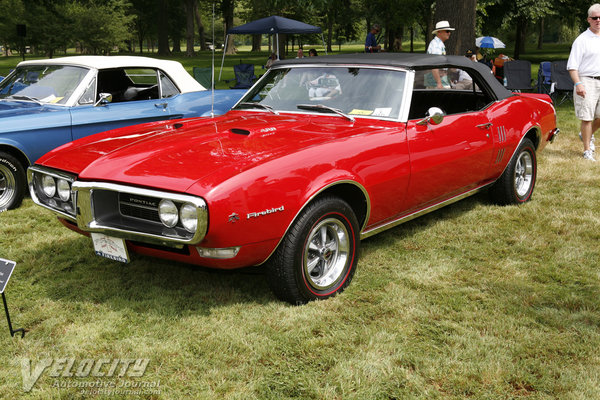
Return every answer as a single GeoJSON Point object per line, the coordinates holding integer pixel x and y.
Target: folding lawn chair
{"type": "Point", "coordinates": [244, 76]}
{"type": "Point", "coordinates": [562, 85]}
{"type": "Point", "coordinates": [543, 80]}
{"type": "Point", "coordinates": [203, 76]}
{"type": "Point", "coordinates": [518, 75]}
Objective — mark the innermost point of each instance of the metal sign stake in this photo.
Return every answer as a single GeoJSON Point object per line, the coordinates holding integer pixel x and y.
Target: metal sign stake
{"type": "Point", "coordinates": [12, 331]}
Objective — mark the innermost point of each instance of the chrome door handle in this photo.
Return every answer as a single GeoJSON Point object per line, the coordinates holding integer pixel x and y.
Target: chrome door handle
{"type": "Point", "coordinates": [487, 125]}
{"type": "Point", "coordinates": [161, 105]}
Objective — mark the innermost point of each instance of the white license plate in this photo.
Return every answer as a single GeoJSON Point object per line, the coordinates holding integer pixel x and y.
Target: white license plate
{"type": "Point", "coordinates": [110, 247]}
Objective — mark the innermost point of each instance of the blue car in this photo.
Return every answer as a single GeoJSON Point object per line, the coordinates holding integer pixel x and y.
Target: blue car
{"type": "Point", "coordinates": [47, 103]}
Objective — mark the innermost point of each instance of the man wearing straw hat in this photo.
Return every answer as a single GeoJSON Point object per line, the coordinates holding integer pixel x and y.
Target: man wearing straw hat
{"type": "Point", "coordinates": [436, 46]}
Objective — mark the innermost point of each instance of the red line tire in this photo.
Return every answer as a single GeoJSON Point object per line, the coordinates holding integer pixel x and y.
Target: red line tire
{"type": "Point", "coordinates": [317, 257]}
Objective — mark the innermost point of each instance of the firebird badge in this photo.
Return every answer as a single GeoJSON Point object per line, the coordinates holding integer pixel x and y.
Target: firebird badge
{"type": "Point", "coordinates": [234, 217]}
{"type": "Point", "coordinates": [265, 212]}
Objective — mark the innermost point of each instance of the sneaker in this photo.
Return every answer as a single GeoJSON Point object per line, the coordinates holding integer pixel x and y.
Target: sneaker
{"type": "Point", "coordinates": [588, 155]}
{"type": "Point", "coordinates": [592, 145]}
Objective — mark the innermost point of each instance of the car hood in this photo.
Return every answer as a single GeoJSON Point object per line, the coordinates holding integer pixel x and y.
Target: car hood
{"type": "Point", "coordinates": [10, 108]}
{"type": "Point", "coordinates": [175, 155]}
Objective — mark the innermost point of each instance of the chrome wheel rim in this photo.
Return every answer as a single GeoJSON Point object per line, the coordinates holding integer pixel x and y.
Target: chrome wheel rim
{"type": "Point", "coordinates": [523, 173]}
{"type": "Point", "coordinates": [8, 186]}
{"type": "Point", "coordinates": [326, 253]}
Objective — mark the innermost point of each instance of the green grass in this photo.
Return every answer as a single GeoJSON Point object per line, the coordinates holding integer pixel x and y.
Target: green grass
{"type": "Point", "coordinates": [472, 301]}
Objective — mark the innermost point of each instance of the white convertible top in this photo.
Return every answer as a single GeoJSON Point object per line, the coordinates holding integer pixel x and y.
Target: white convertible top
{"type": "Point", "coordinates": [184, 81]}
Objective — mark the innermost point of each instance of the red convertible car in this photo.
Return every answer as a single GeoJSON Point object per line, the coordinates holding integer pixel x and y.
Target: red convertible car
{"type": "Point", "coordinates": [319, 154]}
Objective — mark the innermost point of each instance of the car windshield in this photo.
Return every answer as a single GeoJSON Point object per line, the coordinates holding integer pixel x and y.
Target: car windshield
{"type": "Point", "coordinates": [52, 84]}
{"type": "Point", "coordinates": [347, 91]}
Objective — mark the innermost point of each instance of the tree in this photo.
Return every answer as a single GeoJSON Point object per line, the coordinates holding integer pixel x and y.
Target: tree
{"type": "Point", "coordinates": [99, 26]}
{"type": "Point", "coordinates": [190, 11]}
{"type": "Point", "coordinates": [520, 15]}
{"type": "Point", "coordinates": [461, 14]}
{"type": "Point", "coordinates": [201, 36]}
{"type": "Point", "coordinates": [163, 28]}
{"type": "Point", "coordinates": [227, 7]}
{"type": "Point", "coordinates": [13, 12]}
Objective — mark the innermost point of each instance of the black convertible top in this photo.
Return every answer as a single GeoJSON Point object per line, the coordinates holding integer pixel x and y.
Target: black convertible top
{"type": "Point", "coordinates": [413, 61]}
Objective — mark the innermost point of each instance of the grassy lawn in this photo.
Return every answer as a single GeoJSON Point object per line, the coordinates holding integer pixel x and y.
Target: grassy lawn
{"type": "Point", "coordinates": [550, 52]}
{"type": "Point", "coordinates": [472, 301]}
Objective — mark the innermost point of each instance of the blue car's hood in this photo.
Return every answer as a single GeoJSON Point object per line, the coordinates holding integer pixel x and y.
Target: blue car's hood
{"type": "Point", "coordinates": [10, 108]}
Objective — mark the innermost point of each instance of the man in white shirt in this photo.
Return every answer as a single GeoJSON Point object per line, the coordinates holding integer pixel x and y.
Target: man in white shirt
{"type": "Point", "coordinates": [584, 68]}
{"type": "Point", "coordinates": [436, 46]}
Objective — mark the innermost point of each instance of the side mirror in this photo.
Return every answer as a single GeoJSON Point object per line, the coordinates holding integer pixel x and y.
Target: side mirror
{"type": "Point", "coordinates": [434, 116]}
{"type": "Point", "coordinates": [105, 98]}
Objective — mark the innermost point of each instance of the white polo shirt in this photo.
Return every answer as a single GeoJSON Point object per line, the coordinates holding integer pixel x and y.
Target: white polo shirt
{"type": "Point", "coordinates": [585, 54]}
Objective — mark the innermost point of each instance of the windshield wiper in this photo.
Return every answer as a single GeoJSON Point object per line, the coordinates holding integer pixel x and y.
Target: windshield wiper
{"type": "Point", "coordinates": [321, 107]}
{"type": "Point", "coordinates": [259, 105]}
{"type": "Point", "coordinates": [24, 97]}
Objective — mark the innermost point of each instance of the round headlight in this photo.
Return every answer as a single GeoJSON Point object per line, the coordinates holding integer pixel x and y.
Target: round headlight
{"type": "Point", "coordinates": [48, 185]}
{"type": "Point", "coordinates": [64, 189]}
{"type": "Point", "coordinates": [167, 211]}
{"type": "Point", "coordinates": [189, 217]}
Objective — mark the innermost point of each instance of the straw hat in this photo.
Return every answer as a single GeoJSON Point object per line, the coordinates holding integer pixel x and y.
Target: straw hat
{"type": "Point", "coordinates": [442, 26]}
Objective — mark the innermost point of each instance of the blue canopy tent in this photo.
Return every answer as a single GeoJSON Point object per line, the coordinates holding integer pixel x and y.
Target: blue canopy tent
{"type": "Point", "coordinates": [272, 25]}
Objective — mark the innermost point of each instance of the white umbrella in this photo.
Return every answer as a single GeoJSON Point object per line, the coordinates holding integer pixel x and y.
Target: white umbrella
{"type": "Point", "coordinates": [489, 42]}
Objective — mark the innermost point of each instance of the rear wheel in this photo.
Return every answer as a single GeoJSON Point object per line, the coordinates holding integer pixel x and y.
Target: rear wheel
{"type": "Point", "coordinates": [318, 256]}
{"type": "Point", "coordinates": [12, 182]}
{"type": "Point", "coordinates": [516, 184]}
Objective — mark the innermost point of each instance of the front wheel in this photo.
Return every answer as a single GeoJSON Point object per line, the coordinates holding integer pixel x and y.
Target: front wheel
{"type": "Point", "coordinates": [515, 185]}
{"type": "Point", "coordinates": [317, 257]}
{"type": "Point", "coordinates": [12, 182]}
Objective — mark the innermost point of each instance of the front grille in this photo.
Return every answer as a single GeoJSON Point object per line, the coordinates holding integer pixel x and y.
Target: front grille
{"type": "Point", "coordinates": [141, 207]}
{"type": "Point", "coordinates": [132, 213]}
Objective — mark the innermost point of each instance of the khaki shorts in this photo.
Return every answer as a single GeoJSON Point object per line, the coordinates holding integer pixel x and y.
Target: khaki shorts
{"type": "Point", "coordinates": [588, 108]}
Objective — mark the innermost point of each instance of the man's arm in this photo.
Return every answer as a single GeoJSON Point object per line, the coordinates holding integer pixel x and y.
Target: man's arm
{"type": "Point", "coordinates": [579, 86]}
{"type": "Point", "coordinates": [437, 77]}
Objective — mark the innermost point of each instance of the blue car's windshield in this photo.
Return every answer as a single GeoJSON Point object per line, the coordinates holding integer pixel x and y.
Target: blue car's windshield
{"type": "Point", "coordinates": [52, 84]}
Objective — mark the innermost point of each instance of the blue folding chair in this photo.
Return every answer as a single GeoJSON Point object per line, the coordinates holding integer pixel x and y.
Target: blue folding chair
{"type": "Point", "coordinates": [543, 81]}
{"type": "Point", "coordinates": [244, 76]}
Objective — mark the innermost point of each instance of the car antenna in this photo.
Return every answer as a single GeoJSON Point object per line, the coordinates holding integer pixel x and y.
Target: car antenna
{"type": "Point", "coordinates": [212, 70]}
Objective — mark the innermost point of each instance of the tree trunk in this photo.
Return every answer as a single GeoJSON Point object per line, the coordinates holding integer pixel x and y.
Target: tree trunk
{"type": "Point", "coordinates": [541, 34]}
{"type": "Point", "coordinates": [256, 42]}
{"type": "Point", "coordinates": [461, 14]}
{"type": "Point", "coordinates": [227, 7]}
{"type": "Point", "coordinates": [520, 38]}
{"type": "Point", "coordinates": [163, 28]}
{"type": "Point", "coordinates": [201, 37]}
{"type": "Point", "coordinates": [281, 45]}
{"type": "Point", "coordinates": [189, 28]}
{"type": "Point", "coordinates": [176, 43]}
{"type": "Point", "coordinates": [329, 32]}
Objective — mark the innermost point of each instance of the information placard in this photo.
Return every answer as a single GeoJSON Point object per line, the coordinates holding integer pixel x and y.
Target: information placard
{"type": "Point", "coordinates": [6, 269]}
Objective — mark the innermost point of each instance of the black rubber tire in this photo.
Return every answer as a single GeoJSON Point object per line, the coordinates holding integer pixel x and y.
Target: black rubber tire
{"type": "Point", "coordinates": [13, 182]}
{"type": "Point", "coordinates": [289, 270]}
{"type": "Point", "coordinates": [516, 184]}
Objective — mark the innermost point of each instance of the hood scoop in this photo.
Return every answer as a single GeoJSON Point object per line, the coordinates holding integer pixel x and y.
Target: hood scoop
{"type": "Point", "coordinates": [239, 131]}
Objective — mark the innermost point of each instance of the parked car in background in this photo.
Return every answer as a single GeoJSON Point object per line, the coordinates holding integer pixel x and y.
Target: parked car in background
{"type": "Point", "coordinates": [46, 103]}
{"type": "Point", "coordinates": [319, 154]}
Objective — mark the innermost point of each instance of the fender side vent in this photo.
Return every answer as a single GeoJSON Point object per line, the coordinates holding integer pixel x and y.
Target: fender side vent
{"type": "Point", "coordinates": [240, 131]}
